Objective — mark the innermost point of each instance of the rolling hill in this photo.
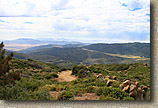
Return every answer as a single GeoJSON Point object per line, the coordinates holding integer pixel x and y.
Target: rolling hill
{"type": "Point", "coordinates": [137, 49]}
{"type": "Point", "coordinates": [69, 54]}
{"type": "Point", "coordinates": [37, 48]}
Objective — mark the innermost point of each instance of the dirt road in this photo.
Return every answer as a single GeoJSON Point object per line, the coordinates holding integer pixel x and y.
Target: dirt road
{"type": "Point", "coordinates": [66, 76]}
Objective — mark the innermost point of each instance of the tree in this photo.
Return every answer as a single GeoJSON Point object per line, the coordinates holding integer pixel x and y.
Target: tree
{"type": "Point", "coordinates": [6, 76]}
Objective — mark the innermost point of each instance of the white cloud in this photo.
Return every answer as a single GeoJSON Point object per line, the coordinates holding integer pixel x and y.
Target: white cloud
{"type": "Point", "coordinates": [74, 18]}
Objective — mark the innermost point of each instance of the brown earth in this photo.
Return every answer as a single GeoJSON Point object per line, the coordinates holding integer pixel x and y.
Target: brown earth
{"type": "Point", "coordinates": [65, 76]}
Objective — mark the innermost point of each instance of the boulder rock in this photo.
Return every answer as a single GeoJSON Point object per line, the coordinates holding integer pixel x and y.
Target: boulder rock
{"type": "Point", "coordinates": [137, 83]}
{"type": "Point", "coordinates": [108, 84]}
{"type": "Point", "coordinates": [125, 83]}
{"type": "Point", "coordinates": [107, 77]}
{"type": "Point", "coordinates": [140, 93]}
{"type": "Point", "coordinates": [132, 87]}
{"type": "Point", "coordinates": [126, 89]}
{"type": "Point", "coordinates": [99, 75]}
{"type": "Point", "coordinates": [133, 94]}
{"type": "Point", "coordinates": [114, 77]}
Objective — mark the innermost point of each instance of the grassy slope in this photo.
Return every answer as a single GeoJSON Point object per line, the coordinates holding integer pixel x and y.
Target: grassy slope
{"type": "Point", "coordinates": [39, 79]}
{"type": "Point", "coordinates": [137, 49]}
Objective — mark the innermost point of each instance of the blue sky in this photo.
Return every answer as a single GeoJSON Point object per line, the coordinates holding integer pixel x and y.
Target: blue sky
{"type": "Point", "coordinates": [82, 20]}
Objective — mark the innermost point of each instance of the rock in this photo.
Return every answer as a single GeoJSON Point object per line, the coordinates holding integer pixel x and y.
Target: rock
{"type": "Point", "coordinates": [114, 77]}
{"type": "Point", "coordinates": [140, 93]}
{"type": "Point", "coordinates": [133, 94]}
{"type": "Point", "coordinates": [125, 83]}
{"type": "Point", "coordinates": [126, 89]}
{"type": "Point", "coordinates": [137, 83]}
{"type": "Point", "coordinates": [132, 83]}
{"type": "Point", "coordinates": [132, 87]}
{"type": "Point", "coordinates": [145, 88]}
{"type": "Point", "coordinates": [107, 77]}
{"type": "Point", "coordinates": [126, 79]}
{"type": "Point", "coordinates": [109, 82]}
{"type": "Point", "coordinates": [135, 90]}
{"type": "Point", "coordinates": [100, 75]}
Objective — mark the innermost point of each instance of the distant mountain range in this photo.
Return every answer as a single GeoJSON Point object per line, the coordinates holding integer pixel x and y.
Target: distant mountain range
{"type": "Point", "coordinates": [41, 47]}
{"type": "Point", "coordinates": [24, 43]}
{"type": "Point", "coordinates": [40, 41]}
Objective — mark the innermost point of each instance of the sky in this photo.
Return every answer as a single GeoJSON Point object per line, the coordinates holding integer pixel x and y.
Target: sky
{"type": "Point", "coordinates": [79, 20]}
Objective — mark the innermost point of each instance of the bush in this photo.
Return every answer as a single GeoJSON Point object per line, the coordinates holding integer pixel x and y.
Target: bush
{"type": "Point", "coordinates": [111, 92]}
{"type": "Point", "coordinates": [42, 95]}
{"type": "Point", "coordinates": [66, 95]}
{"type": "Point", "coordinates": [54, 75]}
{"type": "Point", "coordinates": [47, 87]}
{"type": "Point", "coordinates": [90, 89]}
{"type": "Point", "coordinates": [82, 73]}
{"type": "Point", "coordinates": [128, 98]}
{"type": "Point", "coordinates": [10, 92]}
{"type": "Point", "coordinates": [60, 87]}
{"type": "Point", "coordinates": [76, 68]}
{"type": "Point", "coordinates": [100, 83]}
{"type": "Point", "coordinates": [110, 98]}
{"type": "Point", "coordinates": [47, 76]}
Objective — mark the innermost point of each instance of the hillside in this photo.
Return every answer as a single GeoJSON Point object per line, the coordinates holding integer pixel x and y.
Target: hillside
{"type": "Point", "coordinates": [37, 48]}
{"type": "Point", "coordinates": [137, 49]}
{"type": "Point", "coordinates": [67, 55]}
{"type": "Point", "coordinates": [81, 56]}
{"type": "Point", "coordinates": [42, 58]}
{"type": "Point", "coordinates": [41, 81]}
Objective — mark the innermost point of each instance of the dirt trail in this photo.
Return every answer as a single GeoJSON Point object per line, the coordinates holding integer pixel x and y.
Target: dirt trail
{"type": "Point", "coordinates": [66, 76]}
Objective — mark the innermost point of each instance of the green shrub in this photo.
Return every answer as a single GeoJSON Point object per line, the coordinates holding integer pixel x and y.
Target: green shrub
{"type": "Point", "coordinates": [110, 98]}
{"type": "Point", "coordinates": [60, 87]}
{"type": "Point", "coordinates": [77, 68]}
{"type": "Point", "coordinates": [111, 92]}
{"type": "Point", "coordinates": [29, 84]}
{"type": "Point", "coordinates": [42, 95]}
{"type": "Point", "coordinates": [47, 76]}
{"type": "Point", "coordinates": [90, 89]}
{"type": "Point", "coordinates": [128, 98]}
{"type": "Point", "coordinates": [65, 95]}
{"type": "Point", "coordinates": [100, 83]}
{"type": "Point", "coordinates": [54, 75]}
{"type": "Point", "coordinates": [102, 97]}
{"type": "Point", "coordinates": [47, 87]}
{"type": "Point", "coordinates": [16, 92]}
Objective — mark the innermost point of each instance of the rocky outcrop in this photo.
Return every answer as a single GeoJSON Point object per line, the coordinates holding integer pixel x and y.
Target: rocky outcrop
{"type": "Point", "coordinates": [107, 76]}
{"type": "Point", "coordinates": [114, 78]}
{"type": "Point", "coordinates": [134, 89]}
{"type": "Point", "coordinates": [99, 75]}
{"type": "Point", "coordinates": [109, 83]}
{"type": "Point", "coordinates": [125, 83]}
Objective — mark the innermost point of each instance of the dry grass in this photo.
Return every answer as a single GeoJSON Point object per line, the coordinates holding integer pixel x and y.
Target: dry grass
{"type": "Point", "coordinates": [123, 56]}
